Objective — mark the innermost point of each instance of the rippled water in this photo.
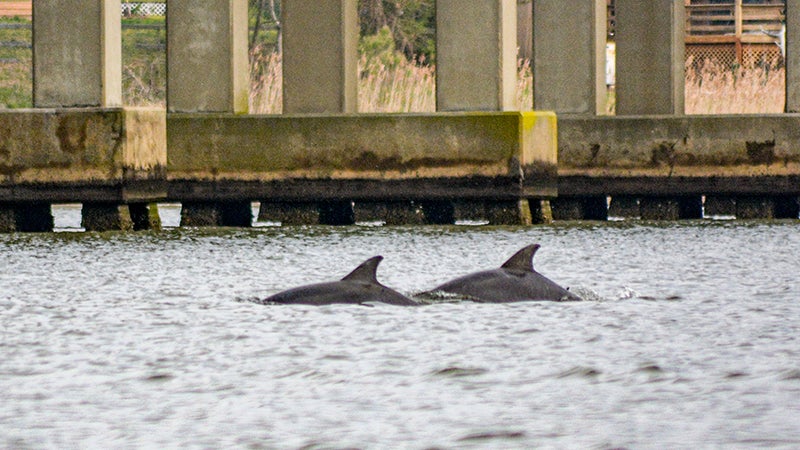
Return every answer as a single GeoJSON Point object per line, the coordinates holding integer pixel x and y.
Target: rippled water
{"type": "Point", "coordinates": [689, 339]}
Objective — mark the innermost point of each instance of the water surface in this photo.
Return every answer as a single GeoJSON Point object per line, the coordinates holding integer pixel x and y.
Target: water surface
{"type": "Point", "coordinates": [688, 338]}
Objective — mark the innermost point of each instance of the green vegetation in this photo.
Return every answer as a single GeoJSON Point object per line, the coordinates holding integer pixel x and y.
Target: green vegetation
{"type": "Point", "coordinates": [144, 60]}
{"type": "Point", "coordinates": [15, 63]}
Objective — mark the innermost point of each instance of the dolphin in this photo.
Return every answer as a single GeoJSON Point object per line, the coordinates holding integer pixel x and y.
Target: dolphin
{"type": "Point", "coordinates": [514, 281]}
{"type": "Point", "coordinates": [358, 287]}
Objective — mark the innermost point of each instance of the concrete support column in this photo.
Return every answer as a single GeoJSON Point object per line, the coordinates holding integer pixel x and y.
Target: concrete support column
{"type": "Point", "coordinates": [755, 207]}
{"type": "Point", "coordinates": [320, 56]}
{"type": "Point", "coordinates": [476, 55]}
{"type": "Point", "coordinates": [580, 208]}
{"type": "Point", "coordinates": [650, 56]}
{"type": "Point", "coordinates": [145, 216]}
{"type": "Point", "coordinates": [719, 205]}
{"type": "Point", "coordinates": [792, 59]}
{"type": "Point", "coordinates": [514, 212]}
{"type": "Point", "coordinates": [308, 213]}
{"type": "Point", "coordinates": [671, 208]}
{"type": "Point", "coordinates": [77, 53]}
{"type": "Point", "coordinates": [207, 60]}
{"type": "Point", "coordinates": [106, 217]}
{"type": "Point", "coordinates": [569, 45]}
{"type": "Point", "coordinates": [26, 217]}
{"type": "Point", "coordinates": [624, 206]}
{"type": "Point", "coordinates": [217, 214]}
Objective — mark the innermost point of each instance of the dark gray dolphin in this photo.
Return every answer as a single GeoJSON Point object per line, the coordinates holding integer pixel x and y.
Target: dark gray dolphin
{"type": "Point", "coordinates": [360, 286]}
{"type": "Point", "coordinates": [514, 281]}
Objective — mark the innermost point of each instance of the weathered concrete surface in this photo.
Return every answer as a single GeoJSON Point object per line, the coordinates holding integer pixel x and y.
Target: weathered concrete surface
{"type": "Point", "coordinates": [320, 68]}
{"type": "Point", "coordinates": [569, 48]}
{"type": "Point", "coordinates": [476, 55]}
{"type": "Point", "coordinates": [207, 65]}
{"type": "Point", "coordinates": [82, 155]}
{"type": "Point", "coordinates": [362, 157]}
{"type": "Point", "coordinates": [650, 56]}
{"type": "Point", "coordinates": [668, 155]}
{"type": "Point", "coordinates": [78, 53]}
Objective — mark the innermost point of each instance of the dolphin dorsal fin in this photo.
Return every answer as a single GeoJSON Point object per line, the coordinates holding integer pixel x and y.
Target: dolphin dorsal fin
{"type": "Point", "coordinates": [523, 259]}
{"type": "Point", "coordinates": [366, 271]}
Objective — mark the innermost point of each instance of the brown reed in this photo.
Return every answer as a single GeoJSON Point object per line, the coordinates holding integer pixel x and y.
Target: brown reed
{"type": "Point", "coordinates": [712, 88]}
{"type": "Point", "coordinates": [406, 86]}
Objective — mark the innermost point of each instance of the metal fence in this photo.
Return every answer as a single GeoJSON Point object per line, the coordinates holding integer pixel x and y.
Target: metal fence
{"type": "Point", "coordinates": [144, 9]}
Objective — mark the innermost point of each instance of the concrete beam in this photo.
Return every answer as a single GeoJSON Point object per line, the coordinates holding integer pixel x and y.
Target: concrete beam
{"type": "Point", "coordinates": [77, 57]}
{"type": "Point", "coordinates": [650, 57]}
{"type": "Point", "coordinates": [320, 56]}
{"type": "Point", "coordinates": [569, 45]}
{"type": "Point", "coordinates": [688, 155]}
{"type": "Point", "coordinates": [476, 55]}
{"type": "Point", "coordinates": [207, 60]}
{"type": "Point", "coordinates": [363, 157]}
{"type": "Point", "coordinates": [82, 155]}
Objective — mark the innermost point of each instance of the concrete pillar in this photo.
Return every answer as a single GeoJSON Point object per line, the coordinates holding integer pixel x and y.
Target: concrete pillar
{"type": "Point", "coordinates": [207, 59]}
{"type": "Point", "coordinates": [512, 212]}
{"type": "Point", "coordinates": [787, 207]}
{"type": "Point", "coordinates": [792, 60]}
{"type": "Point", "coordinates": [650, 62]}
{"type": "Point", "coordinates": [719, 206]}
{"type": "Point", "coordinates": [77, 53]}
{"type": "Point", "coordinates": [624, 206]}
{"type": "Point", "coordinates": [217, 214]}
{"type": "Point", "coordinates": [106, 217]}
{"type": "Point", "coordinates": [145, 216]}
{"type": "Point", "coordinates": [580, 208]}
{"type": "Point", "coordinates": [468, 209]}
{"type": "Point", "coordinates": [439, 212]}
{"type": "Point", "coordinates": [308, 213]}
{"type": "Point", "coordinates": [395, 212]}
{"type": "Point", "coordinates": [755, 208]}
{"type": "Point", "coordinates": [569, 45]}
{"type": "Point", "coordinates": [476, 55]}
{"type": "Point", "coordinates": [26, 217]}
{"type": "Point", "coordinates": [659, 208]}
{"type": "Point", "coordinates": [320, 56]}
{"type": "Point", "coordinates": [290, 213]}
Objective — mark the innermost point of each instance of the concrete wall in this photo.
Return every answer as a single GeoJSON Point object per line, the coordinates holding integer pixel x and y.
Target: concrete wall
{"type": "Point", "coordinates": [668, 146]}
{"type": "Point", "coordinates": [52, 154]}
{"type": "Point", "coordinates": [366, 146]}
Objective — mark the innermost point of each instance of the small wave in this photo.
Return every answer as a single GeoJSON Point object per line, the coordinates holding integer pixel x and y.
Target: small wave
{"type": "Point", "coordinates": [791, 374]}
{"type": "Point", "coordinates": [580, 372]}
{"type": "Point", "coordinates": [488, 435]}
{"type": "Point", "coordinates": [459, 372]}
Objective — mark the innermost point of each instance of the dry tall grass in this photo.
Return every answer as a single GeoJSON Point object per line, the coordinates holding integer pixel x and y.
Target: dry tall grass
{"type": "Point", "coordinates": [403, 87]}
{"type": "Point", "coordinates": [711, 88]}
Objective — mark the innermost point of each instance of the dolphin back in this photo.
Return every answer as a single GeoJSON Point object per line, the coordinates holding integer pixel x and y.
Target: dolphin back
{"type": "Point", "coordinates": [358, 287]}
{"type": "Point", "coordinates": [514, 281]}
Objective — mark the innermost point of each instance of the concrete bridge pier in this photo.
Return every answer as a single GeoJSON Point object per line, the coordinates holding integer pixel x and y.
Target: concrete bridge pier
{"type": "Point", "coordinates": [216, 214]}
{"type": "Point", "coordinates": [580, 208]}
{"type": "Point", "coordinates": [308, 213]}
{"type": "Point", "coordinates": [110, 216]}
{"type": "Point", "coordinates": [207, 72]}
{"type": "Point", "coordinates": [753, 206]}
{"type": "Point", "coordinates": [33, 217]}
{"type": "Point", "coordinates": [671, 208]}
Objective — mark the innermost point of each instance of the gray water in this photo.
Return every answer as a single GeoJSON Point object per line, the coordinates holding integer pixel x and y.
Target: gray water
{"type": "Point", "coordinates": [688, 339]}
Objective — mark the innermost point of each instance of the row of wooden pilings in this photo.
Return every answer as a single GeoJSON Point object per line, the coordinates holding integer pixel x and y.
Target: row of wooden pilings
{"type": "Point", "coordinates": [323, 162]}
